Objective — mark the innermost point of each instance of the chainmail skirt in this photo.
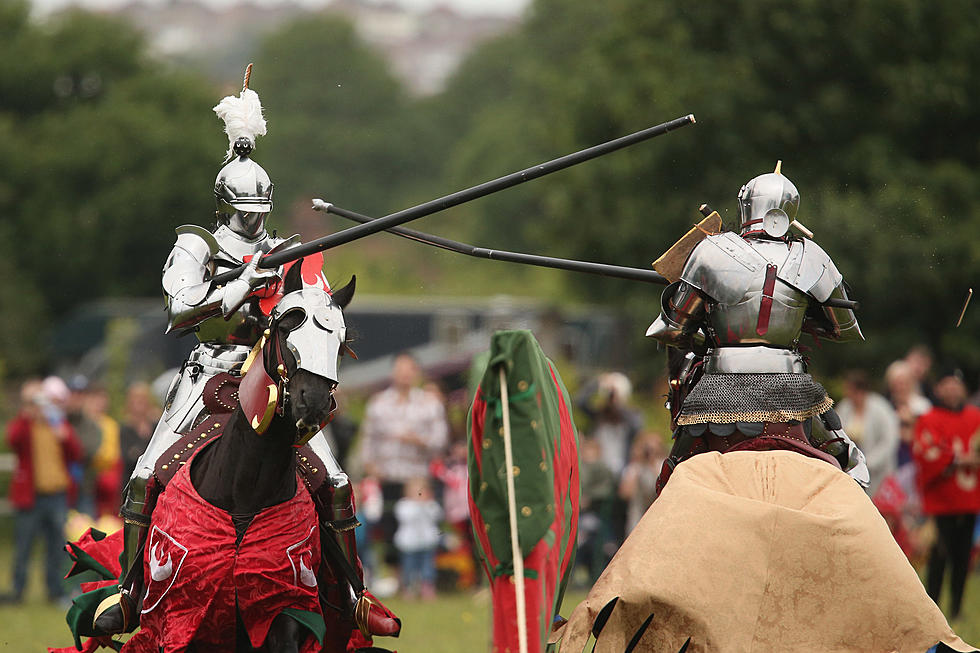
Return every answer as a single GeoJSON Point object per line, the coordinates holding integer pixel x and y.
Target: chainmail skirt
{"type": "Point", "coordinates": [756, 397]}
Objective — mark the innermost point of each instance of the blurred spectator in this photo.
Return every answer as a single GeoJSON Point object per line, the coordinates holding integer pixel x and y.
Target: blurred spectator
{"type": "Point", "coordinates": [417, 537]}
{"type": "Point", "coordinates": [612, 423]}
{"type": "Point", "coordinates": [919, 360]}
{"type": "Point", "coordinates": [89, 437]}
{"type": "Point", "coordinates": [947, 454]}
{"type": "Point", "coordinates": [106, 463]}
{"type": "Point", "coordinates": [614, 426]}
{"type": "Point", "coordinates": [404, 430]}
{"type": "Point", "coordinates": [452, 473]}
{"type": "Point", "coordinates": [596, 540]}
{"type": "Point", "coordinates": [140, 418]}
{"type": "Point", "coordinates": [908, 402]}
{"type": "Point", "coordinates": [638, 484]}
{"type": "Point", "coordinates": [871, 422]}
{"type": "Point", "coordinates": [46, 446]}
{"type": "Point", "coordinates": [369, 508]}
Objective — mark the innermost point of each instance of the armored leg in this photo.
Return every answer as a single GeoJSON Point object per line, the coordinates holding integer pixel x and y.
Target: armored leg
{"type": "Point", "coordinates": [334, 501]}
{"type": "Point", "coordinates": [120, 613]}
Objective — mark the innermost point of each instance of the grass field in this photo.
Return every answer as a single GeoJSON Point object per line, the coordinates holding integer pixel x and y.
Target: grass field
{"type": "Point", "coordinates": [453, 623]}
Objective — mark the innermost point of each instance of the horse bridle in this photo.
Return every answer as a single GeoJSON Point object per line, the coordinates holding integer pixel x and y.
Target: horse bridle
{"type": "Point", "coordinates": [261, 396]}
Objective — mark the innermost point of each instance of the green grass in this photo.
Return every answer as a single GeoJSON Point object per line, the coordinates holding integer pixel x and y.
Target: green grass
{"type": "Point", "coordinates": [450, 624]}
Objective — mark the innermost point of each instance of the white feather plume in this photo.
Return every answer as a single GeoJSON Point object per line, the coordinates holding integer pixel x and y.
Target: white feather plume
{"type": "Point", "coordinates": [242, 115]}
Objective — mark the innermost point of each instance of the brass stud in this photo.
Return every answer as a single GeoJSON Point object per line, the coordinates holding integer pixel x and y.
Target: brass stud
{"type": "Point", "coordinates": [164, 468]}
{"type": "Point", "coordinates": [190, 445]}
{"type": "Point", "coordinates": [486, 443]}
{"type": "Point", "coordinates": [314, 470]}
{"type": "Point", "coordinates": [526, 511]}
{"type": "Point", "coordinates": [549, 508]}
{"type": "Point", "coordinates": [483, 486]}
{"type": "Point", "coordinates": [534, 424]}
{"type": "Point", "coordinates": [304, 459]}
{"type": "Point", "coordinates": [517, 470]}
{"type": "Point", "coordinates": [176, 456]}
{"type": "Point", "coordinates": [500, 431]}
{"type": "Point", "coordinates": [544, 466]}
{"type": "Point", "coordinates": [522, 385]}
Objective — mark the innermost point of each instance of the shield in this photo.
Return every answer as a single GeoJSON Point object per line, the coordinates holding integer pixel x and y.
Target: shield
{"type": "Point", "coordinates": [164, 559]}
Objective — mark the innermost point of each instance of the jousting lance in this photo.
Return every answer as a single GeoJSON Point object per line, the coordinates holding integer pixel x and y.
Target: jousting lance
{"type": "Point", "coordinates": [618, 271]}
{"type": "Point", "coordinates": [457, 198]}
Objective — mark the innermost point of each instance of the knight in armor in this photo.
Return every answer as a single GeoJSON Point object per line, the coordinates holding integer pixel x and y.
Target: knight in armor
{"type": "Point", "coordinates": [733, 321]}
{"type": "Point", "coordinates": [228, 321]}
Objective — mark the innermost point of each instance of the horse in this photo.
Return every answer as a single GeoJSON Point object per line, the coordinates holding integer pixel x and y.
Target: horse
{"type": "Point", "coordinates": [758, 551]}
{"type": "Point", "coordinates": [236, 524]}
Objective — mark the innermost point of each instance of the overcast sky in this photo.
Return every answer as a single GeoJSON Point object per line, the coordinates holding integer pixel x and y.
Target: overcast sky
{"type": "Point", "coordinates": [469, 6]}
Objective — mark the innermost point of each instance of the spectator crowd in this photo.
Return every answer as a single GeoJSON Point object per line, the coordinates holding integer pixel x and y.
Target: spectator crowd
{"type": "Point", "coordinates": [408, 458]}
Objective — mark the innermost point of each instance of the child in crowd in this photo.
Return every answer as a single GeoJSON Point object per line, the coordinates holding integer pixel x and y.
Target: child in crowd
{"type": "Point", "coordinates": [417, 537]}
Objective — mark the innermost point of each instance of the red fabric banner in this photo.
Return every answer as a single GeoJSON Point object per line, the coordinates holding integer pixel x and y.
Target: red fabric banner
{"type": "Point", "coordinates": [195, 572]}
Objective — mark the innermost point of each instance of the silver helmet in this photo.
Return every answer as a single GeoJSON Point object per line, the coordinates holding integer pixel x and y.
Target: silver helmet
{"type": "Point", "coordinates": [768, 204]}
{"type": "Point", "coordinates": [242, 184]}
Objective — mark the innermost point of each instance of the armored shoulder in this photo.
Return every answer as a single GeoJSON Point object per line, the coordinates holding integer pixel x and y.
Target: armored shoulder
{"type": "Point", "coordinates": [810, 270]}
{"type": "Point", "coordinates": [189, 259]}
{"type": "Point", "coordinates": [722, 267]}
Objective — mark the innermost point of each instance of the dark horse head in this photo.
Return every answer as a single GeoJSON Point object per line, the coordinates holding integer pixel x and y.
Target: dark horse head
{"type": "Point", "coordinates": [285, 398]}
{"type": "Point", "coordinates": [299, 360]}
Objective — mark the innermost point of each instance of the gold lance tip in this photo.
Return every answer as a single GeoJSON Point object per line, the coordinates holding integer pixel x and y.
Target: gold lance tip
{"type": "Point", "coordinates": [690, 117]}
{"type": "Point", "coordinates": [969, 296]}
{"type": "Point", "coordinates": [779, 167]}
{"type": "Point", "coordinates": [248, 74]}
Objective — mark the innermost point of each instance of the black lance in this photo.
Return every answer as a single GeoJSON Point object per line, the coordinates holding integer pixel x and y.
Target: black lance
{"type": "Point", "coordinates": [457, 198]}
{"type": "Point", "coordinates": [618, 271]}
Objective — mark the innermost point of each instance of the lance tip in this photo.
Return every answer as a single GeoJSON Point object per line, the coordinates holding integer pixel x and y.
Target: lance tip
{"type": "Point", "coordinates": [969, 296]}
{"type": "Point", "coordinates": [690, 117]}
{"type": "Point", "coordinates": [320, 205]}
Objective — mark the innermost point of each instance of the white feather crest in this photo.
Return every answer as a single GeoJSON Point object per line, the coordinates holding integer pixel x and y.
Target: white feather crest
{"type": "Point", "coordinates": [243, 117]}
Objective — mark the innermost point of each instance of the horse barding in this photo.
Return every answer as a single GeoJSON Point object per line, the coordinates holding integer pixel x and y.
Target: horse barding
{"type": "Point", "coordinates": [234, 559]}
{"type": "Point", "coordinates": [758, 551]}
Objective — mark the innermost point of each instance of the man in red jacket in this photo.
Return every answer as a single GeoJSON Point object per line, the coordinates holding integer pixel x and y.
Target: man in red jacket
{"type": "Point", "coordinates": [46, 446]}
{"type": "Point", "coordinates": [946, 449]}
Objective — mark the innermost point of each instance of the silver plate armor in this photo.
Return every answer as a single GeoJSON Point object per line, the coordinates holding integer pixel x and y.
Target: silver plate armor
{"type": "Point", "coordinates": [729, 274]}
{"type": "Point", "coordinates": [750, 296]}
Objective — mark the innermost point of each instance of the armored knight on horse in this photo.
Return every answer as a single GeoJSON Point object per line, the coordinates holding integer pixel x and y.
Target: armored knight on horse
{"type": "Point", "coordinates": [228, 320]}
{"type": "Point", "coordinates": [733, 318]}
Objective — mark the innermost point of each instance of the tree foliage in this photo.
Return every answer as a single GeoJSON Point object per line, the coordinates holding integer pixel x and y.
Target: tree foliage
{"type": "Point", "coordinates": [103, 153]}
{"type": "Point", "coordinates": [869, 104]}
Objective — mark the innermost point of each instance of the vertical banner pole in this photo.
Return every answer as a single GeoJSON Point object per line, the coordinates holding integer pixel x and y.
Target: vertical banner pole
{"type": "Point", "coordinates": [512, 510]}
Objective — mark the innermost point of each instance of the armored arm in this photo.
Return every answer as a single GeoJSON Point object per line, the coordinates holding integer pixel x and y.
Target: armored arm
{"type": "Point", "coordinates": [191, 294]}
{"type": "Point", "coordinates": [811, 270]}
{"type": "Point", "coordinates": [682, 311]}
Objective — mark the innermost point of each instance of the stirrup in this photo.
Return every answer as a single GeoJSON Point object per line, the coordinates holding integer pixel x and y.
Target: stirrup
{"type": "Point", "coordinates": [116, 614]}
{"type": "Point", "coordinates": [375, 622]}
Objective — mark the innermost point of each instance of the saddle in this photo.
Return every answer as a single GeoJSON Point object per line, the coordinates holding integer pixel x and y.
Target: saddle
{"type": "Point", "coordinates": [220, 401]}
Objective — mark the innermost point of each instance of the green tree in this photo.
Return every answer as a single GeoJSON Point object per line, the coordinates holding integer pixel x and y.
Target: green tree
{"type": "Point", "coordinates": [336, 118]}
{"type": "Point", "coordinates": [868, 103]}
{"type": "Point", "coordinates": [104, 152]}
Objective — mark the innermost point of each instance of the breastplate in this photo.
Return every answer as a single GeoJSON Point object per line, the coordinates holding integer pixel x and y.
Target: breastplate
{"type": "Point", "coordinates": [246, 325]}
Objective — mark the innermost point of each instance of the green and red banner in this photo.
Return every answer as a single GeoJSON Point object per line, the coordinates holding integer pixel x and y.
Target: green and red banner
{"type": "Point", "coordinates": [545, 467]}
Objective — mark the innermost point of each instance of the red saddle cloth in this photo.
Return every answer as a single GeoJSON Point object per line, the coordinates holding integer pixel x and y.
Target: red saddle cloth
{"type": "Point", "coordinates": [195, 572]}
